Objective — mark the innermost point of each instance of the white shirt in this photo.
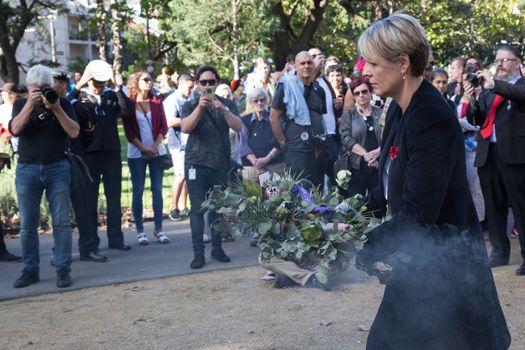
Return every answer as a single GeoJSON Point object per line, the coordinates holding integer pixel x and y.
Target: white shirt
{"type": "Point", "coordinates": [493, 137]}
{"type": "Point", "coordinates": [6, 111]}
{"type": "Point", "coordinates": [146, 136]}
{"type": "Point", "coordinates": [329, 116]}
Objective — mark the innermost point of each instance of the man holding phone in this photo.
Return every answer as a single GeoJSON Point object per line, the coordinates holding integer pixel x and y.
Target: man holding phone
{"type": "Point", "coordinates": [207, 119]}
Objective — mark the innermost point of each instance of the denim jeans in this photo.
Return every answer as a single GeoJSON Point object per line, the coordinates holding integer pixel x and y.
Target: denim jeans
{"type": "Point", "coordinates": [137, 167]}
{"type": "Point", "coordinates": [205, 179]}
{"type": "Point", "coordinates": [31, 181]}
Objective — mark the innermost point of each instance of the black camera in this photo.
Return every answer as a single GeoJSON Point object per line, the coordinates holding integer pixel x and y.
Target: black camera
{"type": "Point", "coordinates": [471, 75]}
{"type": "Point", "coordinates": [49, 94]}
{"type": "Point", "coordinates": [473, 79]}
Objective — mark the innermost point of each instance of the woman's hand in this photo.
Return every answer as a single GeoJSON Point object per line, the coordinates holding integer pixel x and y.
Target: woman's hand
{"type": "Point", "coordinates": [372, 155]}
{"type": "Point", "coordinates": [149, 153]}
{"type": "Point", "coordinates": [469, 93]}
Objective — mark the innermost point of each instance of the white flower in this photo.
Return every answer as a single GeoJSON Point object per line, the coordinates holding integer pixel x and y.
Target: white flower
{"type": "Point", "coordinates": [343, 178]}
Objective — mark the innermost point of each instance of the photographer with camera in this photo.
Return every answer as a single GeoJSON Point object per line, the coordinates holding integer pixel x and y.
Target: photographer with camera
{"type": "Point", "coordinates": [43, 122]}
{"type": "Point", "coordinates": [101, 144]}
{"type": "Point", "coordinates": [86, 226]}
{"type": "Point", "coordinates": [500, 153]}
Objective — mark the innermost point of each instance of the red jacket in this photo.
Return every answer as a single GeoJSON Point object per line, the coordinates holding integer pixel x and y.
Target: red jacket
{"type": "Point", "coordinates": [158, 121]}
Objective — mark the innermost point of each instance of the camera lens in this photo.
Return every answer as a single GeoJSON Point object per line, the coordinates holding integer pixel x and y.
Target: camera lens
{"type": "Point", "coordinates": [473, 79]}
{"type": "Point", "coordinates": [50, 94]}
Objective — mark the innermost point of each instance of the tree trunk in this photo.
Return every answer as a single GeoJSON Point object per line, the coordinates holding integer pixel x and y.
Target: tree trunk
{"type": "Point", "coordinates": [235, 36]}
{"type": "Point", "coordinates": [101, 29]}
{"type": "Point", "coordinates": [281, 46]}
{"type": "Point", "coordinates": [117, 45]}
{"type": "Point", "coordinates": [9, 65]}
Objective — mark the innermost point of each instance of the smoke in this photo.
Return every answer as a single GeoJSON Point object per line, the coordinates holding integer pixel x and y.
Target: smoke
{"type": "Point", "coordinates": [440, 293]}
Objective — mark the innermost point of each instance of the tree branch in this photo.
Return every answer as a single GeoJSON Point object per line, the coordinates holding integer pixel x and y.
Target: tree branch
{"type": "Point", "coordinates": [310, 27]}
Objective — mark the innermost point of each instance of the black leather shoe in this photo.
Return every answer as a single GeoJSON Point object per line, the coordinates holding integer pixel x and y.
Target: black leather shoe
{"type": "Point", "coordinates": [495, 262]}
{"type": "Point", "coordinates": [10, 257]}
{"type": "Point", "coordinates": [63, 278]}
{"type": "Point", "coordinates": [282, 281]}
{"type": "Point", "coordinates": [219, 255]}
{"type": "Point", "coordinates": [28, 277]}
{"type": "Point", "coordinates": [198, 261]}
{"type": "Point", "coordinates": [521, 270]}
{"type": "Point", "coordinates": [120, 246]}
{"type": "Point", "coordinates": [93, 256]}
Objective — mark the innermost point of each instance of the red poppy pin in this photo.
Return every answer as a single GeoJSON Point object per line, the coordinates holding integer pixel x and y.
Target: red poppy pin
{"type": "Point", "coordinates": [392, 152]}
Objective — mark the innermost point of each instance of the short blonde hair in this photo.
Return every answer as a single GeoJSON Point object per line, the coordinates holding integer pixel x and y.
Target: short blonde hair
{"type": "Point", "coordinates": [395, 35]}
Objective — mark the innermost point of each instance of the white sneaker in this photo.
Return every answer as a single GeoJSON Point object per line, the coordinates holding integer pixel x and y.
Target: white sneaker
{"type": "Point", "coordinates": [142, 239]}
{"type": "Point", "coordinates": [206, 238]}
{"type": "Point", "coordinates": [270, 276]}
{"type": "Point", "coordinates": [162, 238]}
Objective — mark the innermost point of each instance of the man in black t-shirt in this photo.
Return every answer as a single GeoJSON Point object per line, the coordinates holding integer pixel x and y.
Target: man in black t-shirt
{"type": "Point", "coordinates": [302, 135]}
{"type": "Point", "coordinates": [43, 122]}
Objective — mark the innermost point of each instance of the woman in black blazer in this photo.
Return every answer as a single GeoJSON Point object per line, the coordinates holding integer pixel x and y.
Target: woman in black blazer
{"type": "Point", "coordinates": [440, 294]}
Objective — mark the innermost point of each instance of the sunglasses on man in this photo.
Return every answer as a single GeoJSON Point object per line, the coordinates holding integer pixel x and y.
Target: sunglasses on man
{"type": "Point", "coordinates": [207, 82]}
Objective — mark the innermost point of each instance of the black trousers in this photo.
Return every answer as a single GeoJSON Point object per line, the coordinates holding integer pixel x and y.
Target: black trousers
{"type": "Point", "coordinates": [205, 179]}
{"type": "Point", "coordinates": [332, 150]}
{"type": "Point", "coordinates": [3, 248]}
{"type": "Point", "coordinates": [88, 240]}
{"type": "Point", "coordinates": [106, 166]}
{"type": "Point", "coordinates": [502, 183]}
{"type": "Point", "coordinates": [362, 181]}
{"type": "Point", "coordinates": [305, 165]}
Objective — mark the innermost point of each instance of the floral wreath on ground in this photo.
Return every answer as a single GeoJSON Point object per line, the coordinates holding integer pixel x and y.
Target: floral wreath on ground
{"type": "Point", "coordinates": [321, 233]}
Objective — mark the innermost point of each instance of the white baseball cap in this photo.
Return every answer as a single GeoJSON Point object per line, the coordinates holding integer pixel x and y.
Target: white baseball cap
{"type": "Point", "coordinates": [101, 70]}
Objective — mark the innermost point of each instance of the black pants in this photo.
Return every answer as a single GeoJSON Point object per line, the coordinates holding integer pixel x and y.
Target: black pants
{"type": "Point", "coordinates": [3, 248]}
{"type": "Point", "coordinates": [205, 179]}
{"type": "Point", "coordinates": [304, 165]}
{"type": "Point", "coordinates": [108, 167]}
{"type": "Point", "coordinates": [88, 240]}
{"type": "Point", "coordinates": [332, 150]}
{"type": "Point", "coordinates": [362, 181]}
{"type": "Point", "coordinates": [502, 183]}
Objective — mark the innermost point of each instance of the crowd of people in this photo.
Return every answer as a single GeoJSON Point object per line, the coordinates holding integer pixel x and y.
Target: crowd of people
{"type": "Point", "coordinates": [303, 119]}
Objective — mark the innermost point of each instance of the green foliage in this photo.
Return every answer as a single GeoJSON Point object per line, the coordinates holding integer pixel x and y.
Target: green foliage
{"type": "Point", "coordinates": [203, 33]}
{"type": "Point", "coordinates": [317, 232]}
{"type": "Point", "coordinates": [470, 28]}
{"type": "Point", "coordinates": [15, 17]}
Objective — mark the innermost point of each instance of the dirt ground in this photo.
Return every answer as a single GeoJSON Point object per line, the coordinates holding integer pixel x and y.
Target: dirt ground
{"type": "Point", "coordinates": [220, 310]}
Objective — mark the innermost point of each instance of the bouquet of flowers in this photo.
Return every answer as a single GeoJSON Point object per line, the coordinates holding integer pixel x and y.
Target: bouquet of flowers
{"type": "Point", "coordinates": [321, 233]}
